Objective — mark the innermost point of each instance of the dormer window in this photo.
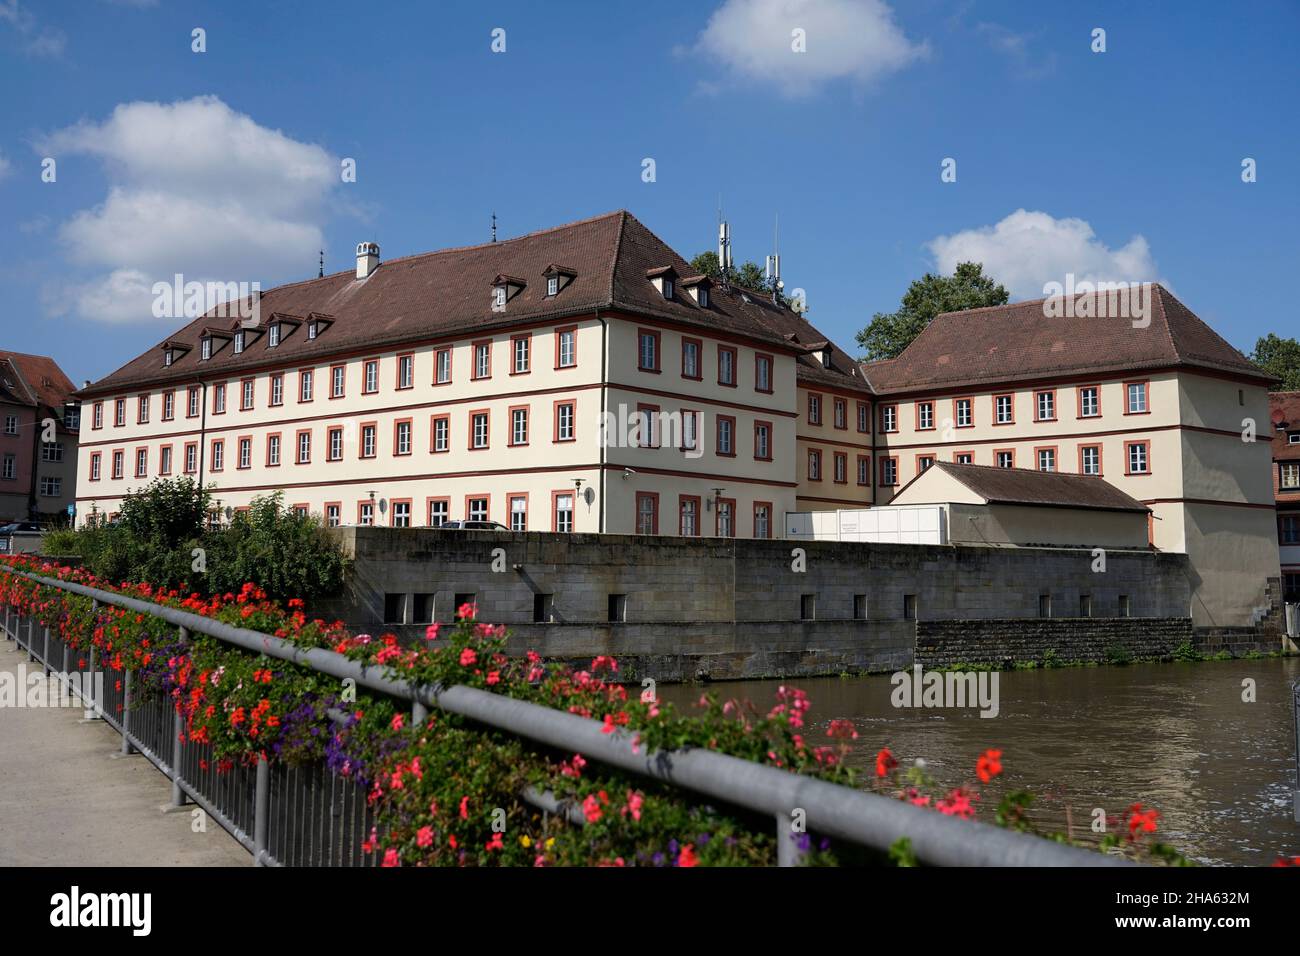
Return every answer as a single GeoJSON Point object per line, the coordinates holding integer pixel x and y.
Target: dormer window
{"type": "Point", "coordinates": [552, 285]}
{"type": "Point", "coordinates": [703, 298]}
{"type": "Point", "coordinates": [505, 288]}
{"type": "Point", "coordinates": [697, 287]}
{"type": "Point", "coordinates": [169, 356]}
{"type": "Point", "coordinates": [826, 358]}
{"type": "Point", "coordinates": [312, 329]}
{"type": "Point", "coordinates": [239, 341]}
{"type": "Point", "coordinates": [206, 347]}
{"type": "Point", "coordinates": [663, 280]}
{"type": "Point", "coordinates": [273, 335]}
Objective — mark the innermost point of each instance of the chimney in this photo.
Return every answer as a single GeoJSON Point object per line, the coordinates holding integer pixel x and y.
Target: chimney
{"type": "Point", "coordinates": [367, 259]}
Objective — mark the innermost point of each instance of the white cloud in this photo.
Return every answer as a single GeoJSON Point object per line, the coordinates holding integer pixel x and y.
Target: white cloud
{"type": "Point", "coordinates": [197, 189]}
{"type": "Point", "coordinates": [1028, 249]}
{"type": "Point", "coordinates": [1016, 48]}
{"type": "Point", "coordinates": [854, 40]}
{"type": "Point", "coordinates": [37, 40]}
{"type": "Point", "coordinates": [6, 167]}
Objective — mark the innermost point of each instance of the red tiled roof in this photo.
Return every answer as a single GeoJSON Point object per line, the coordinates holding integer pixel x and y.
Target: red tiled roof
{"type": "Point", "coordinates": [1006, 343]}
{"type": "Point", "coordinates": [1023, 486]}
{"type": "Point", "coordinates": [1284, 407]}
{"type": "Point", "coordinates": [40, 380]}
{"type": "Point", "coordinates": [448, 292]}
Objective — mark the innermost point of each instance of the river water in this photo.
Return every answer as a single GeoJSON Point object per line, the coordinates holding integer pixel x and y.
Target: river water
{"type": "Point", "coordinates": [1177, 737]}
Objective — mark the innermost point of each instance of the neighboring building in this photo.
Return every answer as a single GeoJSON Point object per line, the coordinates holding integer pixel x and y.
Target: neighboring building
{"type": "Point", "coordinates": [1018, 506]}
{"type": "Point", "coordinates": [1286, 486]}
{"type": "Point", "coordinates": [473, 383]}
{"type": "Point", "coordinates": [1160, 407]}
{"type": "Point", "coordinates": [37, 478]}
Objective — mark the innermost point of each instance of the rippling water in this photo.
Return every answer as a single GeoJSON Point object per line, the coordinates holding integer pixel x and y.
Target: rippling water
{"type": "Point", "coordinates": [1177, 737]}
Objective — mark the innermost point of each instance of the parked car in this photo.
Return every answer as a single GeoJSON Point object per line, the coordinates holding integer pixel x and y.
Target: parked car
{"type": "Point", "coordinates": [473, 526]}
{"type": "Point", "coordinates": [21, 537]}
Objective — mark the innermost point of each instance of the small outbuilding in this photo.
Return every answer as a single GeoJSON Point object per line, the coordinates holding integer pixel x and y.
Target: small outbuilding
{"type": "Point", "coordinates": [1018, 506]}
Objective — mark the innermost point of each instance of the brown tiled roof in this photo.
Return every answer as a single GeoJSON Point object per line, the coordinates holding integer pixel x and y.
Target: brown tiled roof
{"type": "Point", "coordinates": [795, 329]}
{"type": "Point", "coordinates": [1284, 407]}
{"type": "Point", "coordinates": [447, 292]}
{"type": "Point", "coordinates": [40, 378]}
{"type": "Point", "coordinates": [1022, 486]}
{"type": "Point", "coordinates": [1005, 343]}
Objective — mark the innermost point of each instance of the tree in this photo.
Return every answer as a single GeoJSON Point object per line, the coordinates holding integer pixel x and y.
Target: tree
{"type": "Point", "coordinates": [1281, 358]}
{"type": "Point", "coordinates": [967, 288]}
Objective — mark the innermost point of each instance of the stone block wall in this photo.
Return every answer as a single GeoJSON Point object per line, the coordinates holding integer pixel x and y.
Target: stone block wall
{"type": "Point", "coordinates": [678, 608]}
{"type": "Point", "coordinates": [1003, 643]}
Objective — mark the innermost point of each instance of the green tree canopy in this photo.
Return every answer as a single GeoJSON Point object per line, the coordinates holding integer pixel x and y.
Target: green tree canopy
{"type": "Point", "coordinates": [1280, 357]}
{"type": "Point", "coordinates": [750, 275]}
{"type": "Point", "coordinates": [967, 288]}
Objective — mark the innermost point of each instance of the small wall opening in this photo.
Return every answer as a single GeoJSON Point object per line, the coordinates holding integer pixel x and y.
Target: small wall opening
{"type": "Point", "coordinates": [543, 604]}
{"type": "Point", "coordinates": [617, 608]}
{"type": "Point", "coordinates": [394, 608]}
{"type": "Point", "coordinates": [421, 608]}
{"type": "Point", "coordinates": [909, 607]}
{"type": "Point", "coordinates": [859, 607]}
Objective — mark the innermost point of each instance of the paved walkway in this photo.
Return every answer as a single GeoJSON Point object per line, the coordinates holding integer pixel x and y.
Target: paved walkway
{"type": "Point", "coordinates": [66, 801]}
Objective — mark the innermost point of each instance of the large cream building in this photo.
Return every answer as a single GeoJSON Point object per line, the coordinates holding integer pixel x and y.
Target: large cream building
{"type": "Point", "coordinates": [575, 379]}
{"type": "Point", "coordinates": [583, 379]}
{"type": "Point", "coordinates": [1158, 405]}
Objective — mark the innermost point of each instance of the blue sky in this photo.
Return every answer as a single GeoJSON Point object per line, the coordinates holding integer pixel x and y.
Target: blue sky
{"type": "Point", "coordinates": [1122, 164]}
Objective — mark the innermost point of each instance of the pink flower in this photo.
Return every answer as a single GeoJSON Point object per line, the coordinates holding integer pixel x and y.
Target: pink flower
{"type": "Point", "coordinates": [431, 632]}
{"type": "Point", "coordinates": [467, 657]}
{"type": "Point", "coordinates": [494, 677]}
{"type": "Point", "coordinates": [494, 843]}
{"type": "Point", "coordinates": [608, 728]}
{"type": "Point", "coordinates": [397, 722]}
{"type": "Point", "coordinates": [634, 801]}
{"type": "Point", "coordinates": [424, 838]}
{"type": "Point", "coordinates": [464, 808]}
{"type": "Point", "coordinates": [591, 807]}
{"type": "Point", "coordinates": [390, 857]}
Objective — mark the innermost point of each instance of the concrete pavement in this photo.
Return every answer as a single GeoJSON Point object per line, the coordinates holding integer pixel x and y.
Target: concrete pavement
{"type": "Point", "coordinates": [65, 800]}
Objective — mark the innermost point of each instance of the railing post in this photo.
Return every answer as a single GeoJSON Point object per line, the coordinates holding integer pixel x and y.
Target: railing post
{"type": "Point", "coordinates": [46, 660]}
{"type": "Point", "coordinates": [419, 713]}
{"type": "Point", "coordinates": [31, 637]}
{"type": "Point", "coordinates": [261, 803]}
{"type": "Point", "coordinates": [92, 713]}
{"type": "Point", "coordinates": [127, 749]}
{"type": "Point", "coordinates": [787, 854]}
{"type": "Point", "coordinates": [178, 731]}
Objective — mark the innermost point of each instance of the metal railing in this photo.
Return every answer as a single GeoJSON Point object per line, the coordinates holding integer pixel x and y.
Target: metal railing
{"type": "Point", "coordinates": [310, 816]}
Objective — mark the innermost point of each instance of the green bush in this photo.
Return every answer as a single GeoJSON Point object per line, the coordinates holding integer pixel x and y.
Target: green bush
{"type": "Point", "coordinates": [162, 537]}
{"type": "Point", "coordinates": [284, 553]}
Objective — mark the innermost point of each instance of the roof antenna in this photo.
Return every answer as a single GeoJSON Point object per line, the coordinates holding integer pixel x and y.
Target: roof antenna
{"type": "Point", "coordinates": [724, 249]}
{"type": "Point", "coordinates": [494, 227]}
{"type": "Point", "coordinates": [774, 263]}
{"type": "Point", "coordinates": [321, 273]}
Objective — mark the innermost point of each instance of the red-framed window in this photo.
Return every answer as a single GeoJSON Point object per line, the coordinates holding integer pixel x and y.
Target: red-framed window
{"type": "Point", "coordinates": [403, 437]}
{"type": "Point", "coordinates": [647, 512]}
{"type": "Point", "coordinates": [924, 416]}
{"type": "Point", "coordinates": [1088, 401]}
{"type": "Point", "coordinates": [1045, 405]}
{"type": "Point", "coordinates": [438, 510]}
{"type": "Point", "coordinates": [274, 449]}
{"type": "Point", "coordinates": [370, 376]}
{"type": "Point", "coordinates": [1137, 457]}
{"type": "Point", "coordinates": [191, 463]}
{"type": "Point", "coordinates": [1090, 460]}
{"type": "Point", "coordinates": [521, 353]}
{"type": "Point", "coordinates": [724, 517]}
{"type": "Point", "coordinates": [442, 359]}
{"type": "Point", "coordinates": [689, 516]}
{"type": "Point", "coordinates": [1004, 408]}
{"type": "Point", "coordinates": [840, 414]}
{"type": "Point", "coordinates": [814, 408]}
{"type": "Point", "coordinates": [963, 412]}
{"type": "Point", "coordinates": [440, 434]}
{"type": "Point", "coordinates": [889, 418]}
{"type": "Point", "coordinates": [247, 388]}
{"type": "Point", "coordinates": [727, 357]}
{"type": "Point", "coordinates": [339, 381]}
{"type": "Point", "coordinates": [763, 368]}
{"type": "Point", "coordinates": [725, 436]}
{"type": "Point", "coordinates": [368, 440]}
{"type": "Point", "coordinates": [814, 464]}
{"type": "Point", "coordinates": [517, 416]}
{"type": "Point", "coordinates": [275, 389]}
{"type": "Point", "coordinates": [302, 447]}
{"type": "Point", "coordinates": [692, 359]}
{"type": "Point", "coordinates": [245, 458]}
{"type": "Point", "coordinates": [334, 443]}
{"type": "Point", "coordinates": [840, 468]}
{"type": "Point", "coordinates": [864, 417]}
{"type": "Point", "coordinates": [888, 471]}
{"type": "Point", "coordinates": [564, 421]}
{"type": "Point", "coordinates": [405, 373]}
{"type": "Point", "coordinates": [647, 431]}
{"type": "Point", "coordinates": [517, 510]}
{"type": "Point", "coordinates": [647, 350]}
{"type": "Point", "coordinates": [763, 440]}
{"type": "Point", "coordinates": [165, 459]}
{"type": "Point", "coordinates": [96, 464]}
{"type": "Point", "coordinates": [480, 429]}
{"type": "Point", "coordinates": [1137, 398]}
{"type": "Point", "coordinates": [1004, 457]}
{"type": "Point", "coordinates": [481, 356]}
{"type": "Point", "coordinates": [763, 518]}
{"type": "Point", "coordinates": [864, 470]}
{"type": "Point", "coordinates": [1047, 458]}
{"type": "Point", "coordinates": [399, 511]}
{"type": "Point", "coordinates": [564, 510]}
{"type": "Point", "coordinates": [963, 457]}
{"type": "Point", "coordinates": [566, 347]}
